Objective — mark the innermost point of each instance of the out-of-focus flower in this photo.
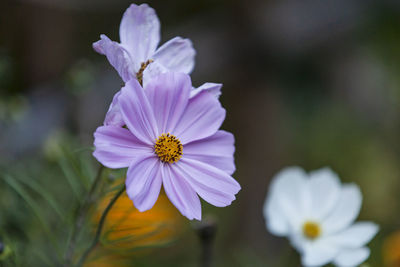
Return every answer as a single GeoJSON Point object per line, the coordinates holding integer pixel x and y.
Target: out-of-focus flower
{"type": "Point", "coordinates": [105, 258]}
{"type": "Point", "coordinates": [391, 250]}
{"type": "Point", "coordinates": [317, 213]}
{"type": "Point", "coordinates": [126, 228]}
{"type": "Point", "coordinates": [137, 56]}
{"type": "Point", "coordinates": [171, 139]}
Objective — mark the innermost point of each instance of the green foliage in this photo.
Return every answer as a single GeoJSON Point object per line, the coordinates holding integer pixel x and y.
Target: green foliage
{"type": "Point", "coordinates": [51, 190]}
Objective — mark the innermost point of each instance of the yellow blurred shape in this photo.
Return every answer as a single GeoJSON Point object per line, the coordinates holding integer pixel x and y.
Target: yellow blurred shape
{"type": "Point", "coordinates": [105, 259]}
{"type": "Point", "coordinates": [126, 228]}
{"type": "Point", "coordinates": [391, 250]}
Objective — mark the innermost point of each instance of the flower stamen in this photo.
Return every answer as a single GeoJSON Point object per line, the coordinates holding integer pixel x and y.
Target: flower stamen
{"type": "Point", "coordinates": [311, 230]}
{"type": "Point", "coordinates": [168, 148]}
{"type": "Point", "coordinates": [139, 74]}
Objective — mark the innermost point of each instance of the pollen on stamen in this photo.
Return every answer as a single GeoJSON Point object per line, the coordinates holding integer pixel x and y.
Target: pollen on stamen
{"type": "Point", "coordinates": [168, 148]}
{"type": "Point", "coordinates": [311, 230]}
{"type": "Point", "coordinates": [143, 66]}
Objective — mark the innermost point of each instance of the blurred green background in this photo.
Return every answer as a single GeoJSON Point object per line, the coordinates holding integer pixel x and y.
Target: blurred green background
{"type": "Point", "coordinates": [309, 83]}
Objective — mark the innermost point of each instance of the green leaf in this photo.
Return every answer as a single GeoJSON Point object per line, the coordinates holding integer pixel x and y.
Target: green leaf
{"type": "Point", "coordinates": [36, 187]}
{"type": "Point", "coordinates": [87, 170]}
{"type": "Point", "coordinates": [71, 178]}
{"type": "Point", "coordinates": [35, 208]}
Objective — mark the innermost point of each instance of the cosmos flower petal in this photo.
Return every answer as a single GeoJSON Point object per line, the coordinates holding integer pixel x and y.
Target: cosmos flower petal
{"type": "Point", "coordinates": [177, 55]}
{"type": "Point", "coordinates": [216, 150]}
{"type": "Point", "coordinates": [317, 221]}
{"type": "Point", "coordinates": [137, 112]}
{"type": "Point", "coordinates": [116, 147]}
{"type": "Point", "coordinates": [212, 88]}
{"type": "Point", "coordinates": [318, 253]}
{"type": "Point", "coordinates": [140, 32]}
{"type": "Point", "coordinates": [202, 118]}
{"type": "Point", "coordinates": [180, 193]}
{"type": "Point", "coordinates": [117, 55]}
{"type": "Point", "coordinates": [213, 185]}
{"type": "Point", "coordinates": [287, 196]}
{"type": "Point", "coordinates": [152, 70]}
{"type": "Point", "coordinates": [352, 257]}
{"type": "Point", "coordinates": [345, 211]}
{"type": "Point", "coordinates": [114, 116]}
{"type": "Point", "coordinates": [324, 188]}
{"type": "Point", "coordinates": [355, 236]}
{"type": "Point", "coordinates": [143, 181]}
{"type": "Point", "coordinates": [168, 96]}
{"type": "Point", "coordinates": [276, 221]}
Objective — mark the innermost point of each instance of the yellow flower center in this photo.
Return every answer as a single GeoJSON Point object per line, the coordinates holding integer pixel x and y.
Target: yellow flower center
{"type": "Point", "coordinates": [168, 148]}
{"type": "Point", "coordinates": [311, 230]}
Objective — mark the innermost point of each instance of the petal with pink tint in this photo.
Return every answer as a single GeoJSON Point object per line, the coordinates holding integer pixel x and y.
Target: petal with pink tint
{"type": "Point", "coordinates": [117, 55]}
{"type": "Point", "coordinates": [212, 88]}
{"type": "Point", "coordinates": [114, 116]}
{"type": "Point", "coordinates": [177, 55]}
{"type": "Point", "coordinates": [137, 112]}
{"type": "Point", "coordinates": [202, 118]}
{"type": "Point", "coordinates": [216, 150]}
{"type": "Point", "coordinates": [180, 193]}
{"type": "Point", "coordinates": [140, 32]}
{"type": "Point", "coordinates": [213, 185]}
{"type": "Point", "coordinates": [116, 147]}
{"type": "Point", "coordinates": [152, 70]}
{"type": "Point", "coordinates": [143, 181]}
{"type": "Point", "coordinates": [168, 95]}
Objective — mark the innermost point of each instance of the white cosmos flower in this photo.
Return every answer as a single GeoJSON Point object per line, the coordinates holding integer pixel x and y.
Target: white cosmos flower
{"type": "Point", "coordinates": [317, 213]}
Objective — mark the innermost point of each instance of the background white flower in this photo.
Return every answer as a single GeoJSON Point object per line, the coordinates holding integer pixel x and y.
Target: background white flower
{"type": "Point", "coordinates": [316, 213]}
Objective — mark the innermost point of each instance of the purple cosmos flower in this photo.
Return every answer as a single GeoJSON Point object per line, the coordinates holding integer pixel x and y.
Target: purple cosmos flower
{"type": "Point", "coordinates": [140, 34]}
{"type": "Point", "coordinates": [137, 56]}
{"type": "Point", "coordinates": [171, 140]}
{"type": "Point", "coordinates": [114, 116]}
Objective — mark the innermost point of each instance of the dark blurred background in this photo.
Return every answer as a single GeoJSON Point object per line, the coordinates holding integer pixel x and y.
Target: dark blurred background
{"type": "Point", "coordinates": [310, 83]}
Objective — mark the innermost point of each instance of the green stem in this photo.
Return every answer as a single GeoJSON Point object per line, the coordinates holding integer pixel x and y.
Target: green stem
{"type": "Point", "coordinates": [100, 226]}
{"type": "Point", "coordinates": [81, 214]}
